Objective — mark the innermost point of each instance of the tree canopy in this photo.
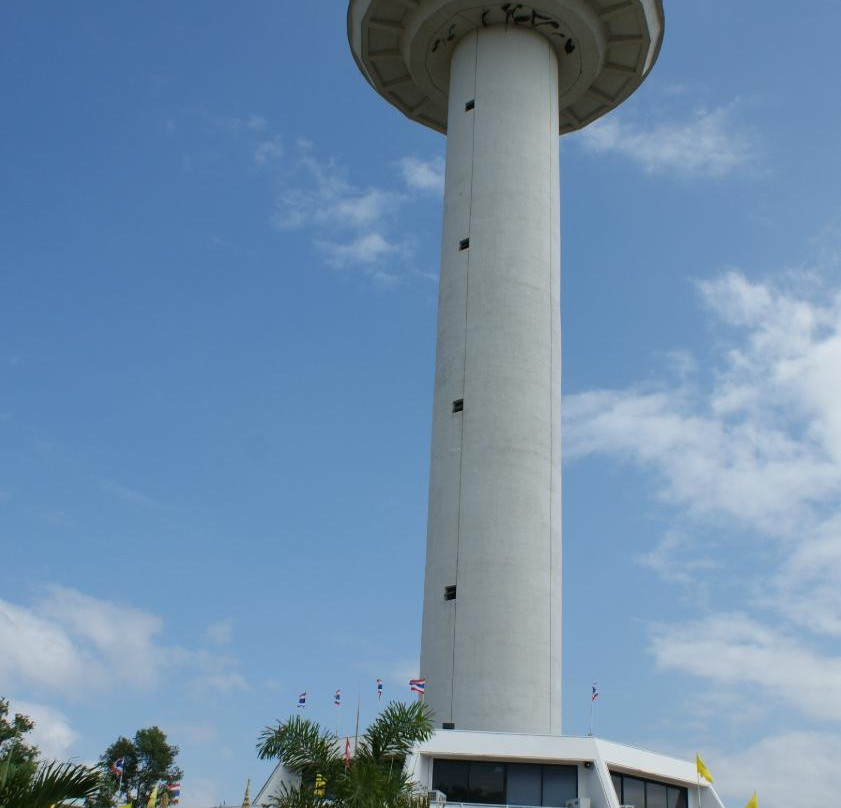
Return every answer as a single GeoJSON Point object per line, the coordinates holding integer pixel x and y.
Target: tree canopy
{"type": "Point", "coordinates": [148, 761]}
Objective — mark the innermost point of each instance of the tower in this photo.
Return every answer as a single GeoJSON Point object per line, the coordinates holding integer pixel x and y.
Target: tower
{"type": "Point", "coordinates": [502, 80]}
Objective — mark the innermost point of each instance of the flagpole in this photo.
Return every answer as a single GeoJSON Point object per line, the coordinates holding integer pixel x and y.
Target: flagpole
{"type": "Point", "coordinates": [356, 731]}
{"type": "Point", "coordinates": [698, 774]}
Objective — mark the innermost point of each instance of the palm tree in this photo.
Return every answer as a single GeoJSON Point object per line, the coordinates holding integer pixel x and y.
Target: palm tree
{"type": "Point", "coordinates": [22, 786]}
{"type": "Point", "coordinates": [374, 778]}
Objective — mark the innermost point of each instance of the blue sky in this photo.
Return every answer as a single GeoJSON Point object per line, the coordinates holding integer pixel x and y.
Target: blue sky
{"type": "Point", "coordinates": [218, 261]}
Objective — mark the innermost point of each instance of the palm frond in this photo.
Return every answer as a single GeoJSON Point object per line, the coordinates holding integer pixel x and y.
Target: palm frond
{"type": "Point", "coordinates": [51, 783]}
{"type": "Point", "coordinates": [301, 745]}
{"type": "Point", "coordinates": [396, 730]}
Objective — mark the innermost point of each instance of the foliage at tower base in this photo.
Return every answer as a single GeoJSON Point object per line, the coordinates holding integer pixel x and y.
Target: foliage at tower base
{"type": "Point", "coordinates": [373, 778]}
{"type": "Point", "coordinates": [147, 761]}
{"type": "Point", "coordinates": [27, 783]}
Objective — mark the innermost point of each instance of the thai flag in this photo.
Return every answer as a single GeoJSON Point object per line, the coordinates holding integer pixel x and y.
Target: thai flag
{"type": "Point", "coordinates": [174, 789]}
{"type": "Point", "coordinates": [119, 766]}
{"type": "Point", "coordinates": [337, 699]}
{"type": "Point", "coordinates": [595, 693]}
{"type": "Point", "coordinates": [379, 688]}
{"type": "Point", "coordinates": [302, 700]}
{"type": "Point", "coordinates": [417, 686]}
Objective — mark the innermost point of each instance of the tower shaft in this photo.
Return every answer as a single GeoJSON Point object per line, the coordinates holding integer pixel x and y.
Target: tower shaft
{"type": "Point", "coordinates": [491, 655]}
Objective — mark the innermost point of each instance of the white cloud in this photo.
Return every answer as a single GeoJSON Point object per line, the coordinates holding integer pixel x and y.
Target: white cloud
{"type": "Point", "coordinates": [126, 493]}
{"type": "Point", "coordinates": [674, 559]}
{"type": "Point", "coordinates": [423, 175]}
{"type": "Point", "coordinates": [223, 682]}
{"type": "Point", "coordinates": [370, 248]}
{"type": "Point", "coordinates": [323, 196]}
{"type": "Point", "coordinates": [710, 143]}
{"type": "Point", "coordinates": [220, 632]}
{"type": "Point", "coordinates": [249, 123]}
{"type": "Point", "coordinates": [268, 152]}
{"type": "Point", "coordinates": [358, 220]}
{"type": "Point", "coordinates": [793, 768]}
{"type": "Point", "coordinates": [735, 650]}
{"type": "Point", "coordinates": [70, 644]}
{"type": "Point", "coordinates": [747, 456]}
{"type": "Point", "coordinates": [52, 734]}
{"type": "Point", "coordinates": [39, 653]}
{"type": "Point", "coordinates": [761, 447]}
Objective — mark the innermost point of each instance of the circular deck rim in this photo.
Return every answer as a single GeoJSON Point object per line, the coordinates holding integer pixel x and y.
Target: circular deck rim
{"type": "Point", "coordinates": [611, 64]}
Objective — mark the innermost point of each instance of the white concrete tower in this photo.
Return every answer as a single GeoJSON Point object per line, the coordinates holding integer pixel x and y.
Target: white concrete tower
{"type": "Point", "coordinates": [502, 80]}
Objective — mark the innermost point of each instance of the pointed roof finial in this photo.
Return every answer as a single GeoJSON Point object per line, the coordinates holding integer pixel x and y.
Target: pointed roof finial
{"type": "Point", "coordinates": [246, 800]}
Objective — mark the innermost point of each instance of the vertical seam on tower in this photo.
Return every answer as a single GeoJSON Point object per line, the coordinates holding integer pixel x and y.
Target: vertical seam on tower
{"type": "Point", "coordinates": [549, 108]}
{"type": "Point", "coordinates": [464, 367]}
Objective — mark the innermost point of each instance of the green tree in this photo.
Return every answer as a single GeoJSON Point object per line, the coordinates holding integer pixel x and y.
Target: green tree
{"type": "Point", "coordinates": [13, 746]}
{"type": "Point", "coordinates": [24, 783]}
{"type": "Point", "coordinates": [374, 778]}
{"type": "Point", "coordinates": [149, 760]}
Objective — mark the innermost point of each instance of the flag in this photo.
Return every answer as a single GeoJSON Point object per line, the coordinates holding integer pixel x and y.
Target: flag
{"type": "Point", "coordinates": [347, 754]}
{"type": "Point", "coordinates": [753, 802]}
{"type": "Point", "coordinates": [337, 699]}
{"type": "Point", "coordinates": [703, 771]}
{"type": "Point", "coordinates": [320, 786]}
{"type": "Point", "coordinates": [165, 800]}
{"type": "Point", "coordinates": [417, 686]}
{"type": "Point", "coordinates": [119, 766]}
{"type": "Point", "coordinates": [174, 789]}
{"type": "Point", "coordinates": [302, 700]}
{"type": "Point", "coordinates": [595, 693]}
{"type": "Point", "coordinates": [127, 805]}
{"type": "Point", "coordinates": [379, 688]}
{"type": "Point", "coordinates": [153, 798]}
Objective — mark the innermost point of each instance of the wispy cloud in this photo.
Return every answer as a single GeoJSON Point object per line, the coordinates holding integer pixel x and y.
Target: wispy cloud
{"type": "Point", "coordinates": [268, 152]}
{"type": "Point", "coordinates": [708, 143]}
{"type": "Point", "coordinates": [733, 649]}
{"type": "Point", "coordinates": [370, 248]}
{"type": "Point", "coordinates": [792, 768]}
{"type": "Point", "coordinates": [423, 175]}
{"type": "Point", "coordinates": [53, 734]}
{"type": "Point", "coordinates": [220, 632]}
{"type": "Point", "coordinates": [126, 493]}
{"type": "Point", "coordinates": [70, 644]}
{"type": "Point", "coordinates": [747, 457]}
{"type": "Point", "coordinates": [317, 194]}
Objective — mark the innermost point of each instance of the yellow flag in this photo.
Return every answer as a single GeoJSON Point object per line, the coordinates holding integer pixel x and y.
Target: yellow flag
{"type": "Point", "coordinates": [127, 805]}
{"type": "Point", "coordinates": [699, 764]}
{"type": "Point", "coordinates": [153, 798]}
{"type": "Point", "coordinates": [753, 802]}
{"type": "Point", "coordinates": [165, 800]}
{"type": "Point", "coordinates": [320, 786]}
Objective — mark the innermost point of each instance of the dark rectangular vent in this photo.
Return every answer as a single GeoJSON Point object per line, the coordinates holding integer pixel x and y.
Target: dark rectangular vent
{"type": "Point", "coordinates": [458, 405]}
{"type": "Point", "coordinates": [469, 105]}
{"type": "Point", "coordinates": [464, 244]}
{"type": "Point", "coordinates": [450, 592]}
{"type": "Point", "coordinates": [448, 725]}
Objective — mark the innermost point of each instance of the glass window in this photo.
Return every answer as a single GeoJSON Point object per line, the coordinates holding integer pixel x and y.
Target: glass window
{"type": "Point", "coordinates": [560, 783]}
{"type": "Point", "coordinates": [487, 783]}
{"type": "Point", "coordinates": [677, 798]}
{"type": "Point", "coordinates": [617, 785]}
{"type": "Point", "coordinates": [655, 795]}
{"type": "Point", "coordinates": [524, 784]}
{"type": "Point", "coordinates": [451, 777]}
{"type": "Point", "coordinates": [633, 792]}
